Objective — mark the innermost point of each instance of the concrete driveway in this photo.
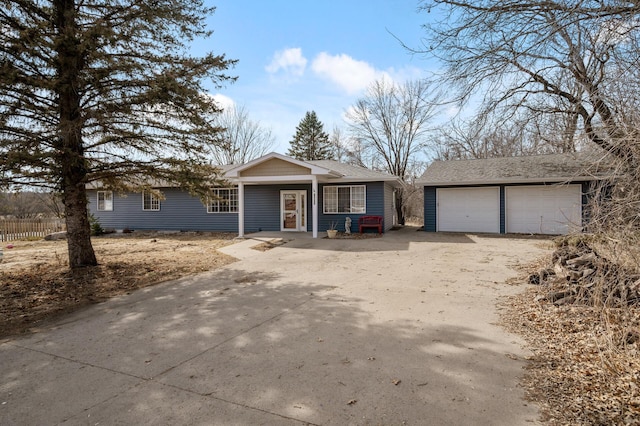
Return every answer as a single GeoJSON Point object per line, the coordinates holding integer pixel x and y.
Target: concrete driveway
{"type": "Point", "coordinates": [389, 331]}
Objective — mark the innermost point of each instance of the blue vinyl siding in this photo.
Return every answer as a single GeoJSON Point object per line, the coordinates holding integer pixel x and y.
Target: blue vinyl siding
{"type": "Point", "coordinates": [181, 211]}
{"type": "Point", "coordinates": [430, 209]}
{"type": "Point", "coordinates": [262, 206]}
{"type": "Point", "coordinates": [178, 211]}
{"type": "Point", "coordinates": [375, 206]}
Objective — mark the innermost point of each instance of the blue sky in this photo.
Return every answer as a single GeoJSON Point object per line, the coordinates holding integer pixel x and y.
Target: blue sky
{"type": "Point", "coordinates": [298, 56]}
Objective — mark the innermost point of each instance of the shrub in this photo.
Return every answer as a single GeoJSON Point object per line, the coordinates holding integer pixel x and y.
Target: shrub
{"type": "Point", "coordinates": [96, 228]}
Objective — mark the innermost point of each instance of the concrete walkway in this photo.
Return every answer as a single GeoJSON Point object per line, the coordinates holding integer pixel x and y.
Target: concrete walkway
{"type": "Point", "coordinates": [388, 331]}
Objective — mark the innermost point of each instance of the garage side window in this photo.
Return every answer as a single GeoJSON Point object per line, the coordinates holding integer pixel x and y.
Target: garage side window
{"type": "Point", "coordinates": [344, 199]}
{"type": "Point", "coordinates": [225, 201]}
{"type": "Point", "coordinates": [150, 201]}
{"type": "Point", "coordinates": [105, 201]}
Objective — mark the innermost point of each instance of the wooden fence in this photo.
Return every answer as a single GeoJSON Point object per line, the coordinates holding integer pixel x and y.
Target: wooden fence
{"type": "Point", "coordinates": [22, 229]}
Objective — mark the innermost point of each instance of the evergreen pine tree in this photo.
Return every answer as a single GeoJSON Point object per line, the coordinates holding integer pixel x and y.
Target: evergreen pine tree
{"type": "Point", "coordinates": [104, 91]}
{"type": "Point", "coordinates": [310, 141]}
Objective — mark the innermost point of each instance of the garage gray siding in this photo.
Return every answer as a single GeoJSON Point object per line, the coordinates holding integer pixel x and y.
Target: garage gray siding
{"type": "Point", "coordinates": [503, 211]}
{"type": "Point", "coordinates": [178, 211]}
{"type": "Point", "coordinates": [389, 211]}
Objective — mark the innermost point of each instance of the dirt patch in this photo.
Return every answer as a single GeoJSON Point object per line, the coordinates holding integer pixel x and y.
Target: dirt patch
{"type": "Point", "coordinates": [268, 245]}
{"type": "Point", "coordinates": [37, 285]}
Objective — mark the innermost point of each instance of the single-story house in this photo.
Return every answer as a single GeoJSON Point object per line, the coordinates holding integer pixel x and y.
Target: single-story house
{"type": "Point", "coordinates": [540, 194]}
{"type": "Point", "coordinates": [272, 193]}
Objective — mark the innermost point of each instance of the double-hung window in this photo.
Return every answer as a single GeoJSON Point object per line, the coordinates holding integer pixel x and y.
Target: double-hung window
{"type": "Point", "coordinates": [105, 201]}
{"type": "Point", "coordinates": [150, 201]}
{"type": "Point", "coordinates": [345, 199]}
{"type": "Point", "coordinates": [225, 200]}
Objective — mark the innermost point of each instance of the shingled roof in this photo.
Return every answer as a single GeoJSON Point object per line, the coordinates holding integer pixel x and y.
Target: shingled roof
{"type": "Point", "coordinates": [350, 171]}
{"type": "Point", "coordinates": [529, 169]}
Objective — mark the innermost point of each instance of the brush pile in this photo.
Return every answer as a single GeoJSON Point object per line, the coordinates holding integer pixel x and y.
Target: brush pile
{"type": "Point", "coordinates": [580, 275]}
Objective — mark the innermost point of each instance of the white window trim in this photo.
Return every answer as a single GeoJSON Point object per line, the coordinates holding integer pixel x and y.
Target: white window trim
{"type": "Point", "coordinates": [217, 191]}
{"type": "Point", "coordinates": [153, 197]}
{"type": "Point", "coordinates": [106, 208]}
{"type": "Point", "coordinates": [324, 198]}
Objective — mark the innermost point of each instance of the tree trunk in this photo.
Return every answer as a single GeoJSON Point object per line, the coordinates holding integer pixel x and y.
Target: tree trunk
{"type": "Point", "coordinates": [78, 228]}
{"type": "Point", "coordinates": [399, 209]}
{"type": "Point", "coordinates": [70, 160]}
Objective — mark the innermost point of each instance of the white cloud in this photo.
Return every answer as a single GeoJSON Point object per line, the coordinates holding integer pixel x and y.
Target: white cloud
{"type": "Point", "coordinates": [223, 101]}
{"type": "Point", "coordinates": [290, 61]}
{"type": "Point", "coordinates": [350, 74]}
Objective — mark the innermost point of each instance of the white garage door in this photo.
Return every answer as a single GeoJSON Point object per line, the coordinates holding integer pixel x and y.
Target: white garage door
{"type": "Point", "coordinates": [468, 209]}
{"type": "Point", "coordinates": [553, 209]}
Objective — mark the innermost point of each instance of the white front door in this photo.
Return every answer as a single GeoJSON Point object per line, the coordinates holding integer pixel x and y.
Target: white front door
{"type": "Point", "coordinates": [293, 211]}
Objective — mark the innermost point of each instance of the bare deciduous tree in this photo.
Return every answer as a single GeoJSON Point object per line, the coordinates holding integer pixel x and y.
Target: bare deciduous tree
{"type": "Point", "coordinates": [339, 143]}
{"type": "Point", "coordinates": [242, 139]}
{"type": "Point", "coordinates": [350, 150]}
{"type": "Point", "coordinates": [549, 57]}
{"type": "Point", "coordinates": [486, 136]}
{"type": "Point", "coordinates": [28, 204]}
{"type": "Point", "coordinates": [52, 202]}
{"type": "Point", "coordinates": [392, 121]}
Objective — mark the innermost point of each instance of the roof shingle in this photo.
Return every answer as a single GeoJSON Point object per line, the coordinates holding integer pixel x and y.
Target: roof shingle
{"type": "Point", "coordinates": [351, 171]}
{"type": "Point", "coordinates": [535, 168]}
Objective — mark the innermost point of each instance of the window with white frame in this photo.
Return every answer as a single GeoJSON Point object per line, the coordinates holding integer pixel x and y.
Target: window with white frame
{"type": "Point", "coordinates": [345, 199]}
{"type": "Point", "coordinates": [150, 201]}
{"type": "Point", "coordinates": [225, 200]}
{"type": "Point", "coordinates": [105, 201]}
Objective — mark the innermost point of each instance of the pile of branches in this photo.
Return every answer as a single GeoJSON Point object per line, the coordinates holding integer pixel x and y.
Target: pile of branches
{"type": "Point", "coordinates": [578, 274]}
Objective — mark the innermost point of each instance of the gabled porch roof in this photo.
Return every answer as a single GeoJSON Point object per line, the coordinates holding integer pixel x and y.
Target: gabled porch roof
{"type": "Point", "coordinates": [276, 167]}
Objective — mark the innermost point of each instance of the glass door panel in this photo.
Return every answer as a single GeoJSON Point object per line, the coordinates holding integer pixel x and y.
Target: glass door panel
{"type": "Point", "coordinates": [293, 210]}
{"type": "Point", "coordinates": [289, 210]}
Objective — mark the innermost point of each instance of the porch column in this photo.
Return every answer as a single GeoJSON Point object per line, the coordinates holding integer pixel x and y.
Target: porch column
{"type": "Point", "coordinates": [240, 210]}
{"type": "Point", "coordinates": [314, 205]}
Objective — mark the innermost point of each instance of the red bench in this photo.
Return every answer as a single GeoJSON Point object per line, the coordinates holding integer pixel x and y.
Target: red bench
{"type": "Point", "coordinates": [370, 222]}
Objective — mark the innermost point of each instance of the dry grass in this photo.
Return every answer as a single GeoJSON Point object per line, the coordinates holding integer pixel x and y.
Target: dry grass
{"type": "Point", "coordinates": [37, 285]}
{"type": "Point", "coordinates": [585, 368]}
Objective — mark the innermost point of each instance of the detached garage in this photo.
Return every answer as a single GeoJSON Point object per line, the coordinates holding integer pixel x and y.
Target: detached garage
{"type": "Point", "coordinates": [543, 194]}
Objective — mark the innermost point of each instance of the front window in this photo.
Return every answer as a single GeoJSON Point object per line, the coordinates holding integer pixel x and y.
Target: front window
{"type": "Point", "coordinates": [105, 201]}
{"type": "Point", "coordinates": [225, 201]}
{"type": "Point", "coordinates": [344, 199]}
{"type": "Point", "coordinates": [150, 201]}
